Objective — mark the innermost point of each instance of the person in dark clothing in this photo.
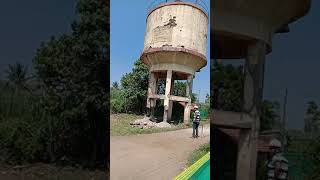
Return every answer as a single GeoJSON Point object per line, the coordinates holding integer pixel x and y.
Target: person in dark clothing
{"type": "Point", "coordinates": [196, 122]}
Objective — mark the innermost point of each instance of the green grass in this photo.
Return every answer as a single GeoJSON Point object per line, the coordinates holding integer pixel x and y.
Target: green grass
{"type": "Point", "coordinates": [198, 153]}
{"type": "Point", "coordinates": [119, 126]}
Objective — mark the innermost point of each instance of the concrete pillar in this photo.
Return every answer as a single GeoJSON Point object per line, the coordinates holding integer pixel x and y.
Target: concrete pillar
{"type": "Point", "coordinates": [167, 94]}
{"type": "Point", "coordinates": [170, 102]}
{"type": "Point", "coordinates": [253, 91]}
{"type": "Point", "coordinates": [187, 108]}
{"type": "Point", "coordinates": [151, 103]}
{"type": "Point", "coordinates": [189, 86]}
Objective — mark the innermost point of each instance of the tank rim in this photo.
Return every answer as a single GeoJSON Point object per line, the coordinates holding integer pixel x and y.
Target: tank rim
{"type": "Point", "coordinates": [175, 49]}
{"type": "Point", "coordinates": [177, 3]}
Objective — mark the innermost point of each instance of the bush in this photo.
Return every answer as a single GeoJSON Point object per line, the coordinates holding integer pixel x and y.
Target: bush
{"type": "Point", "coordinates": [21, 123]}
{"type": "Point", "coordinates": [117, 101]}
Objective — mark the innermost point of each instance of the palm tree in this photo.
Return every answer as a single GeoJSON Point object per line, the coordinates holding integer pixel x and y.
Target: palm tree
{"type": "Point", "coordinates": [17, 79]}
{"type": "Point", "coordinates": [17, 75]}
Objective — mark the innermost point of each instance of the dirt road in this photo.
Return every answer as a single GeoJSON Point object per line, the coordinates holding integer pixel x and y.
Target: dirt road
{"type": "Point", "coordinates": [153, 156]}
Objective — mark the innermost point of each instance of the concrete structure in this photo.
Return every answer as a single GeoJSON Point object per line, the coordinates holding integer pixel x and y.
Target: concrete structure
{"type": "Point", "coordinates": [243, 29]}
{"type": "Point", "coordinates": [174, 49]}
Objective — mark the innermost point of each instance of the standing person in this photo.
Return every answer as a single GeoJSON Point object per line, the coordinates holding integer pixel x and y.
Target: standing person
{"type": "Point", "coordinates": [278, 164]}
{"type": "Point", "coordinates": [196, 122]}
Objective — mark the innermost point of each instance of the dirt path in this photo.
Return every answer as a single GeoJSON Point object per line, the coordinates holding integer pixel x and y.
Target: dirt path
{"type": "Point", "coordinates": [153, 156]}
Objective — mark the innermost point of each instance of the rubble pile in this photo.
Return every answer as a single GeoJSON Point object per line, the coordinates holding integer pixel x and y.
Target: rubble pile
{"type": "Point", "coordinates": [146, 123]}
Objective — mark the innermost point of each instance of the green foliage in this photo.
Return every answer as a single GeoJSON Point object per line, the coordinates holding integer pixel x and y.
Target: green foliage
{"type": "Point", "coordinates": [262, 170]}
{"type": "Point", "coordinates": [134, 86]}
{"type": "Point", "coordinates": [61, 116]}
{"type": "Point", "coordinates": [21, 125]}
{"type": "Point", "coordinates": [17, 75]}
{"type": "Point", "coordinates": [117, 100]}
{"type": "Point", "coordinates": [303, 155]}
{"type": "Point", "coordinates": [72, 69]}
{"type": "Point", "coordinates": [231, 79]}
{"type": "Point", "coordinates": [312, 120]}
{"type": "Point", "coordinates": [198, 153]}
{"type": "Point", "coordinates": [269, 115]}
{"type": "Point", "coordinates": [314, 150]}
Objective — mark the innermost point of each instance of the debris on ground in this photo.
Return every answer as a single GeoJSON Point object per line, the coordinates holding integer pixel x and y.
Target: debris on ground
{"type": "Point", "coordinates": [147, 123]}
{"type": "Point", "coordinates": [163, 125]}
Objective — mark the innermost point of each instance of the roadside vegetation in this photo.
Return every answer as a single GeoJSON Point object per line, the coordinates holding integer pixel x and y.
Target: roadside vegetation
{"type": "Point", "coordinates": [198, 153]}
{"type": "Point", "coordinates": [57, 114]}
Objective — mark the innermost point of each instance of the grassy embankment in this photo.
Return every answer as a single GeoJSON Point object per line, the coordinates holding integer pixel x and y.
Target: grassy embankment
{"type": "Point", "coordinates": [198, 153]}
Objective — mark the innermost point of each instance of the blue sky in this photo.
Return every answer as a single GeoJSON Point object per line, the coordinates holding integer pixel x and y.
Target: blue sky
{"type": "Point", "coordinates": [127, 29]}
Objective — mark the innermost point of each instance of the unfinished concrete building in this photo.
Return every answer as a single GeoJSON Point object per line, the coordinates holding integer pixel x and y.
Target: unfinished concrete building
{"type": "Point", "coordinates": [174, 49]}
{"type": "Point", "coordinates": [243, 29]}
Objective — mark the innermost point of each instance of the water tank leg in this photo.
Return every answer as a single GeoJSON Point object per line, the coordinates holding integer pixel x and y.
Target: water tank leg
{"type": "Point", "coordinates": [167, 95]}
{"type": "Point", "coordinates": [170, 102]}
{"type": "Point", "coordinates": [253, 91]}
{"type": "Point", "coordinates": [186, 117]}
{"type": "Point", "coordinates": [151, 103]}
{"type": "Point", "coordinates": [187, 109]}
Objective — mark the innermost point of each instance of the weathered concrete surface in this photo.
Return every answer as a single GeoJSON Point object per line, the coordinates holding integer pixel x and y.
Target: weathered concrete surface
{"type": "Point", "coordinates": [176, 38]}
{"type": "Point", "coordinates": [153, 156]}
{"type": "Point", "coordinates": [177, 25]}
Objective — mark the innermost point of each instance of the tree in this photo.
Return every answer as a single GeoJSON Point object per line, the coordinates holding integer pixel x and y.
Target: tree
{"type": "Point", "coordinates": [17, 75]}
{"type": "Point", "coordinates": [312, 118]}
{"type": "Point", "coordinates": [228, 94]}
{"type": "Point", "coordinates": [115, 85]}
{"type": "Point", "coordinates": [269, 115]}
{"type": "Point", "coordinates": [135, 86]}
{"type": "Point", "coordinates": [228, 82]}
{"type": "Point", "coordinates": [207, 100]}
{"type": "Point", "coordinates": [73, 71]}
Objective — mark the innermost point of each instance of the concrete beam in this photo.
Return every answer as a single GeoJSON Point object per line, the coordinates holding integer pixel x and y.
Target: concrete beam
{"type": "Point", "coordinates": [156, 96]}
{"type": "Point", "coordinates": [179, 99]}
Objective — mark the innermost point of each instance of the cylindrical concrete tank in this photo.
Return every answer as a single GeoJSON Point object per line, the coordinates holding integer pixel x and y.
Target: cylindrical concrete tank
{"type": "Point", "coordinates": [176, 38]}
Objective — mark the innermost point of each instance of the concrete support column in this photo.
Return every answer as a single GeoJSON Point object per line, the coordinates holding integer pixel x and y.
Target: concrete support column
{"type": "Point", "coordinates": [152, 87]}
{"type": "Point", "coordinates": [187, 108]}
{"type": "Point", "coordinates": [170, 102]}
{"type": "Point", "coordinates": [253, 91]}
{"type": "Point", "coordinates": [167, 94]}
